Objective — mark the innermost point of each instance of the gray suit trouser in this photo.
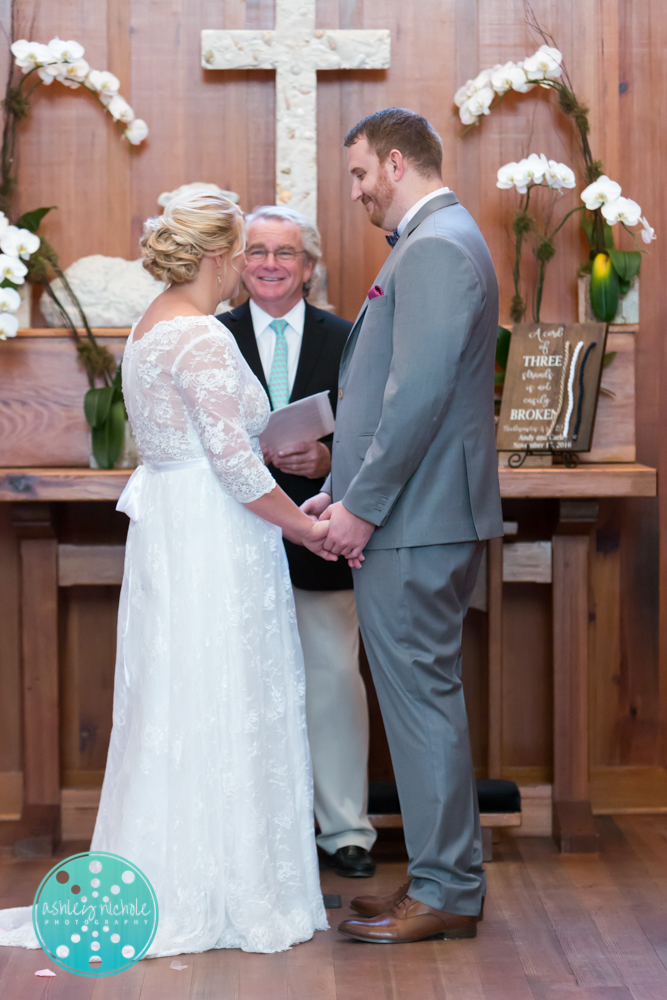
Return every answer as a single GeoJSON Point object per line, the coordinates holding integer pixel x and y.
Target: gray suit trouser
{"type": "Point", "coordinates": [411, 603]}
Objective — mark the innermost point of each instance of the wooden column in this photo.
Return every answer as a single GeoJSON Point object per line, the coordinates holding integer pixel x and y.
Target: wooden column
{"type": "Point", "coordinates": [37, 831]}
{"type": "Point", "coordinates": [495, 610]}
{"type": "Point", "coordinates": [574, 827]}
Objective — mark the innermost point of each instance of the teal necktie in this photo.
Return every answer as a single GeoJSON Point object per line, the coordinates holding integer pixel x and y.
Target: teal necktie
{"type": "Point", "coordinates": [278, 379]}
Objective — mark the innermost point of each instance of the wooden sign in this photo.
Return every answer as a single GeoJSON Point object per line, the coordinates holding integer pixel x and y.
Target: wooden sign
{"type": "Point", "coordinates": [551, 387]}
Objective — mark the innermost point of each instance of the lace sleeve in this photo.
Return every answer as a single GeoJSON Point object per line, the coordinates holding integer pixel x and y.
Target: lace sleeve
{"type": "Point", "coordinates": [209, 378]}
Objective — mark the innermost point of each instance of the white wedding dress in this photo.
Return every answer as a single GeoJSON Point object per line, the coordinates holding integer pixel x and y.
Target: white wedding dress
{"type": "Point", "coordinates": [208, 786]}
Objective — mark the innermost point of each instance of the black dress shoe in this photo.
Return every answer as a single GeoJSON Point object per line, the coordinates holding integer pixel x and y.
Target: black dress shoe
{"type": "Point", "coordinates": [350, 861]}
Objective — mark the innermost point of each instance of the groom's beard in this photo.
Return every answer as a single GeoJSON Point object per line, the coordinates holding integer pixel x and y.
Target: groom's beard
{"type": "Point", "coordinates": [382, 198]}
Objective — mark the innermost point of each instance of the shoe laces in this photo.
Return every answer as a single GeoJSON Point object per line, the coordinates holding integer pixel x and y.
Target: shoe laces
{"type": "Point", "coordinates": [402, 905]}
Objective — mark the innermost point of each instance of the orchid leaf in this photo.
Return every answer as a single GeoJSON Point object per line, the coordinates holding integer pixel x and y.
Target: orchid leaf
{"type": "Point", "coordinates": [587, 227]}
{"type": "Point", "coordinates": [608, 237]}
{"type": "Point", "coordinates": [502, 347]}
{"type": "Point", "coordinates": [109, 437]}
{"type": "Point", "coordinates": [32, 220]}
{"type": "Point", "coordinates": [498, 379]}
{"type": "Point", "coordinates": [97, 405]}
{"type": "Point", "coordinates": [608, 358]}
{"type": "Point", "coordinates": [626, 263]}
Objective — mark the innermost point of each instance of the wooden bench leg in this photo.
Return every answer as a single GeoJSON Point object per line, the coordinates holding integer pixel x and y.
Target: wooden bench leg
{"type": "Point", "coordinates": [487, 843]}
{"type": "Point", "coordinates": [574, 827]}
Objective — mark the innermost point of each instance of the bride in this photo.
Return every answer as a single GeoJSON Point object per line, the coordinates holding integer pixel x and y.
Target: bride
{"type": "Point", "coordinates": [207, 786]}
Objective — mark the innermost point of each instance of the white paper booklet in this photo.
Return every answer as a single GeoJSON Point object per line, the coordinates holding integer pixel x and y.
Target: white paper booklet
{"type": "Point", "coordinates": [308, 419]}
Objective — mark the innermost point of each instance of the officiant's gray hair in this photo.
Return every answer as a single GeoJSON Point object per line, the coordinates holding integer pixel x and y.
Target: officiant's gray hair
{"type": "Point", "coordinates": [310, 234]}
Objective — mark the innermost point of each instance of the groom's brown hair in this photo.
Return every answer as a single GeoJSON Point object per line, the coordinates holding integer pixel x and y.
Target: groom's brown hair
{"type": "Point", "coordinates": [402, 129]}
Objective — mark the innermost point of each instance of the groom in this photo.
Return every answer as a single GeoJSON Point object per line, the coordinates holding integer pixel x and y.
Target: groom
{"type": "Point", "coordinates": [414, 486]}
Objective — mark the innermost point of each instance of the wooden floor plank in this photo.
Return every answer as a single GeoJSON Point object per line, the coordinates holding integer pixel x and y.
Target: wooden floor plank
{"type": "Point", "coordinates": [626, 944]}
{"type": "Point", "coordinates": [575, 928]}
{"type": "Point", "coordinates": [537, 945]}
{"type": "Point", "coordinates": [555, 928]}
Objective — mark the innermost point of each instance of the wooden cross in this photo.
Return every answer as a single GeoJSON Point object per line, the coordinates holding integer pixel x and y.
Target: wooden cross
{"type": "Point", "coordinates": [296, 50]}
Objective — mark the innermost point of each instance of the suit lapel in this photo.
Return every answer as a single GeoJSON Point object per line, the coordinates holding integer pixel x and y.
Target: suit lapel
{"type": "Point", "coordinates": [240, 323]}
{"type": "Point", "coordinates": [312, 344]}
{"type": "Point", "coordinates": [434, 205]}
{"type": "Point", "coordinates": [351, 341]}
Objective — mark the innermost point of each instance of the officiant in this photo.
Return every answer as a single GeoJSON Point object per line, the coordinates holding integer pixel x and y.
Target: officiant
{"type": "Point", "coordinates": [294, 349]}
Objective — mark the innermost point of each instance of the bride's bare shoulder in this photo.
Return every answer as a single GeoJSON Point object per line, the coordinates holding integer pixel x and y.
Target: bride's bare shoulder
{"type": "Point", "coordinates": [164, 310]}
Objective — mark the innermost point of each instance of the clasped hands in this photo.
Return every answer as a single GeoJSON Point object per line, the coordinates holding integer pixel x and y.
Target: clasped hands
{"type": "Point", "coordinates": [347, 535]}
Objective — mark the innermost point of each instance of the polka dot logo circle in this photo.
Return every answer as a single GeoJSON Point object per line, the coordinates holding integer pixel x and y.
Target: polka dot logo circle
{"type": "Point", "coordinates": [95, 914]}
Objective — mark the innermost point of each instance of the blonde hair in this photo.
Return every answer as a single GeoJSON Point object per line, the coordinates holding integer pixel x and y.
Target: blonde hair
{"type": "Point", "coordinates": [194, 225]}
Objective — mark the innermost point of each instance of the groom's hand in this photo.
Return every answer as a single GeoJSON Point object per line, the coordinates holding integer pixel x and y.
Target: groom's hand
{"type": "Point", "coordinates": [348, 534]}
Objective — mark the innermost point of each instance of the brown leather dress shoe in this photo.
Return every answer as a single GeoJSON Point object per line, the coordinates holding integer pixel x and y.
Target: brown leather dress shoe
{"type": "Point", "coordinates": [373, 906]}
{"type": "Point", "coordinates": [409, 920]}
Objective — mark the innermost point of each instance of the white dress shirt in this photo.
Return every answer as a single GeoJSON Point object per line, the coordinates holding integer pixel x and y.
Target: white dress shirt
{"type": "Point", "coordinates": [411, 212]}
{"type": "Point", "coordinates": [266, 337]}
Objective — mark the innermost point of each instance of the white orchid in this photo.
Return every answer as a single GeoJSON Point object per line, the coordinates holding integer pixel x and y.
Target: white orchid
{"type": "Point", "coordinates": [471, 87]}
{"type": "Point", "coordinates": [8, 324]}
{"type": "Point", "coordinates": [462, 94]}
{"type": "Point", "coordinates": [535, 167]}
{"type": "Point", "coordinates": [622, 210]}
{"type": "Point", "coordinates": [543, 65]}
{"type": "Point", "coordinates": [63, 61]}
{"type": "Point", "coordinates": [477, 105]}
{"type": "Point", "coordinates": [647, 233]}
{"type": "Point", "coordinates": [513, 175]}
{"type": "Point", "coordinates": [73, 74]}
{"type": "Point", "coordinates": [19, 242]}
{"type": "Point", "coordinates": [10, 300]}
{"type": "Point", "coordinates": [510, 77]}
{"type": "Point", "coordinates": [559, 176]}
{"type": "Point", "coordinates": [30, 54]}
{"type": "Point", "coordinates": [12, 269]}
{"type": "Point", "coordinates": [120, 110]}
{"type": "Point", "coordinates": [4, 223]}
{"type": "Point", "coordinates": [52, 71]}
{"type": "Point", "coordinates": [106, 84]}
{"type": "Point", "coordinates": [65, 51]}
{"type": "Point", "coordinates": [600, 192]}
{"type": "Point", "coordinates": [136, 131]}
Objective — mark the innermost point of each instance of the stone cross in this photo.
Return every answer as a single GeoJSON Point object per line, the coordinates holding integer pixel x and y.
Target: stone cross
{"type": "Point", "coordinates": [296, 49]}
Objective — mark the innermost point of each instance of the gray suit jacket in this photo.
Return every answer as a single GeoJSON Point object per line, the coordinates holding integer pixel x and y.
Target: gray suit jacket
{"type": "Point", "coordinates": [414, 447]}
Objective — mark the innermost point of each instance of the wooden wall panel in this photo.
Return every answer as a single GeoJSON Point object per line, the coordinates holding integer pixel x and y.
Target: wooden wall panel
{"type": "Point", "coordinates": [10, 676]}
{"type": "Point", "coordinates": [220, 127]}
{"type": "Point", "coordinates": [88, 634]}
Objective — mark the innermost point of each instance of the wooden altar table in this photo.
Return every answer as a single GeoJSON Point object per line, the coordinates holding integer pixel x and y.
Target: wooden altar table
{"type": "Point", "coordinates": [46, 565]}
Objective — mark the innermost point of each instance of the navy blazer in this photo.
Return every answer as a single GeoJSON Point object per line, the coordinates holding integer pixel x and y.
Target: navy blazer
{"type": "Point", "coordinates": [324, 337]}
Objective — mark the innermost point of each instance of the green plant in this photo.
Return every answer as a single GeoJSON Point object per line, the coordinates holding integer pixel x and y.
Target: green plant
{"type": "Point", "coordinates": [603, 205]}
{"type": "Point", "coordinates": [105, 412]}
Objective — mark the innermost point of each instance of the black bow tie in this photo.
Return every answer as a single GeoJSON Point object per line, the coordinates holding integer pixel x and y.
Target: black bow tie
{"type": "Point", "coordinates": [393, 239]}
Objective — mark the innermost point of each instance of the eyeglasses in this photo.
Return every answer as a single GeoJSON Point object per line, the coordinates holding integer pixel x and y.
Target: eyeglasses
{"type": "Point", "coordinates": [283, 254]}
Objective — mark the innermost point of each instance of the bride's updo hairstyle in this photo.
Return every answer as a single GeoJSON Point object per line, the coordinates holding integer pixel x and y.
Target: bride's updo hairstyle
{"type": "Point", "coordinates": [194, 225]}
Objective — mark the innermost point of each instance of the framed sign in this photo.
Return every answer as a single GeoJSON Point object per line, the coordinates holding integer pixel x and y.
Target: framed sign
{"type": "Point", "coordinates": [551, 387]}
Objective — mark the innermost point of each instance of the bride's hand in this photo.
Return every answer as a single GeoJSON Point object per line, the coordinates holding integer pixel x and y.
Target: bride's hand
{"type": "Point", "coordinates": [314, 540]}
{"type": "Point", "coordinates": [314, 537]}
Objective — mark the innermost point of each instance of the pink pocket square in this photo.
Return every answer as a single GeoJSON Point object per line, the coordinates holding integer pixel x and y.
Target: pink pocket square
{"type": "Point", "coordinates": [375, 291]}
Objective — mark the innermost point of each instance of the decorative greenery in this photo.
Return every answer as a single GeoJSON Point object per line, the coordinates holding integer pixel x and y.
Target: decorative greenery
{"type": "Point", "coordinates": [39, 64]}
{"type": "Point", "coordinates": [603, 205]}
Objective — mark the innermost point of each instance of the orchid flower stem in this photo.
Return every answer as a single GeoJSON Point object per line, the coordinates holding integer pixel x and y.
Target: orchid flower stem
{"type": "Point", "coordinates": [538, 294]}
{"type": "Point", "coordinates": [579, 208]}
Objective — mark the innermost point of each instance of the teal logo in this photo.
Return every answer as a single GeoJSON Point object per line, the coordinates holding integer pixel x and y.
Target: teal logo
{"type": "Point", "coordinates": [95, 914]}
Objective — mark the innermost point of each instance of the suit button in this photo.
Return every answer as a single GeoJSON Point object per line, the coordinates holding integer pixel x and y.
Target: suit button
{"type": "Point", "coordinates": [340, 393]}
